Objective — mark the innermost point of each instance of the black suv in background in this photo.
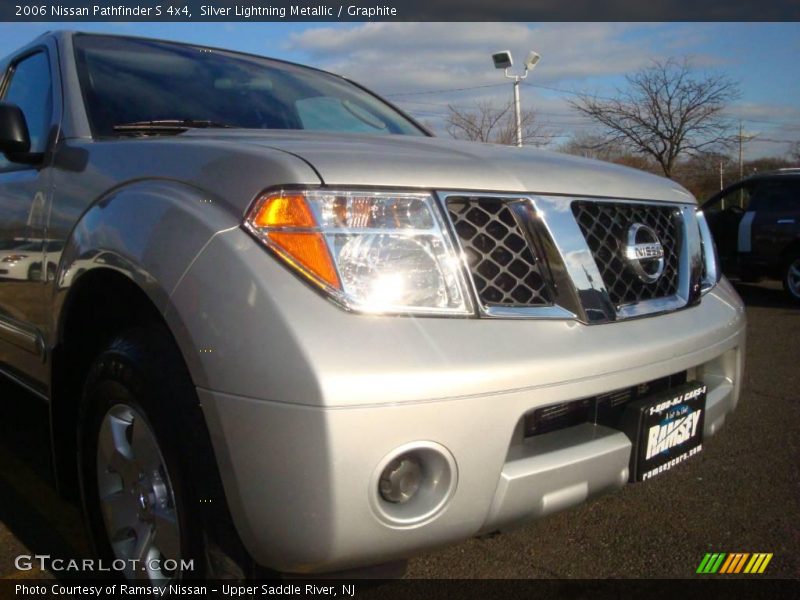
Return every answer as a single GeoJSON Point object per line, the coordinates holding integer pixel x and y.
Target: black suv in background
{"type": "Point", "coordinates": [756, 225]}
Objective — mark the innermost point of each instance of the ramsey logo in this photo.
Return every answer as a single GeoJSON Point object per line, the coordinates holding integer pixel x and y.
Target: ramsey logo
{"type": "Point", "coordinates": [734, 563]}
{"type": "Point", "coordinates": [667, 435]}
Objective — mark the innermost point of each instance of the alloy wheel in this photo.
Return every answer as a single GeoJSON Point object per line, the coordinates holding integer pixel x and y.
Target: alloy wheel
{"type": "Point", "coordinates": [793, 278]}
{"type": "Point", "coordinates": [136, 496]}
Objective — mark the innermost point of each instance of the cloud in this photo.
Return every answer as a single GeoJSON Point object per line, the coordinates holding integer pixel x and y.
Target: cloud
{"type": "Point", "coordinates": [396, 59]}
{"type": "Point", "coordinates": [411, 63]}
{"type": "Point", "coordinates": [402, 56]}
{"type": "Point", "coordinates": [768, 112]}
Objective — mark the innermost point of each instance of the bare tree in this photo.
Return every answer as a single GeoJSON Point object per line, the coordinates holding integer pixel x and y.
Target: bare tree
{"type": "Point", "coordinates": [485, 122]}
{"type": "Point", "coordinates": [794, 153]}
{"type": "Point", "coordinates": [707, 173]}
{"type": "Point", "coordinates": [666, 112]}
{"type": "Point", "coordinates": [599, 147]}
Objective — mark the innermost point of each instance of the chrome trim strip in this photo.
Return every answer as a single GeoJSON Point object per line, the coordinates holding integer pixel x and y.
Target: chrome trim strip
{"type": "Point", "coordinates": [565, 300]}
{"type": "Point", "coordinates": [709, 255]}
{"type": "Point", "coordinates": [21, 336]}
{"type": "Point", "coordinates": [650, 307]}
{"type": "Point", "coordinates": [23, 384]}
{"type": "Point", "coordinates": [528, 312]}
{"type": "Point", "coordinates": [577, 259]}
{"type": "Point", "coordinates": [694, 256]}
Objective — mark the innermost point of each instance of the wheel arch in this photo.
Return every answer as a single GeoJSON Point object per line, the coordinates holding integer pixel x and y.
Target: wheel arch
{"type": "Point", "coordinates": [100, 305]}
{"type": "Point", "coordinates": [119, 266]}
{"type": "Point", "coordinates": [791, 250]}
{"type": "Point", "coordinates": [105, 305]}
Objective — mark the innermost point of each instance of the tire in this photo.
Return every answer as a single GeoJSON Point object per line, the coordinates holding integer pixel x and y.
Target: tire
{"type": "Point", "coordinates": [35, 272]}
{"type": "Point", "coordinates": [149, 484]}
{"type": "Point", "coordinates": [791, 278]}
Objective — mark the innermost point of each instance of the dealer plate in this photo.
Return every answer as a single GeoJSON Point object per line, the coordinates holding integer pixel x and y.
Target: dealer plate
{"type": "Point", "coordinates": [665, 429]}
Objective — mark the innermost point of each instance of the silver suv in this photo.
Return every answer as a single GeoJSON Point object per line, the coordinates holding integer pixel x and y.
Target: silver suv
{"type": "Point", "coordinates": [290, 328]}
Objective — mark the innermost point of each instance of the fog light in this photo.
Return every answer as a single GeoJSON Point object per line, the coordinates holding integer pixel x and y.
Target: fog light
{"type": "Point", "coordinates": [400, 479]}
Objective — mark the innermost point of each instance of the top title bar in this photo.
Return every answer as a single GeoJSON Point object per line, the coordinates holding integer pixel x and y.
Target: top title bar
{"type": "Point", "coordinates": [400, 10]}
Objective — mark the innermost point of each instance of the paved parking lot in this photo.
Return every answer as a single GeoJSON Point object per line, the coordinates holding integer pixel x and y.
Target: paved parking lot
{"type": "Point", "coordinates": [741, 494]}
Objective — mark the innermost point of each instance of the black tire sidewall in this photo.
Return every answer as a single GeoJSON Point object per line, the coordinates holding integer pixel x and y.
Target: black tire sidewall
{"type": "Point", "coordinates": [126, 374]}
{"type": "Point", "coordinates": [787, 288]}
{"type": "Point", "coordinates": [34, 273]}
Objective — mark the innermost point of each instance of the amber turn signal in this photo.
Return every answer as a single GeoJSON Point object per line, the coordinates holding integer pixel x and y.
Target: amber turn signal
{"type": "Point", "coordinates": [287, 224]}
{"type": "Point", "coordinates": [310, 251]}
{"type": "Point", "coordinates": [283, 210]}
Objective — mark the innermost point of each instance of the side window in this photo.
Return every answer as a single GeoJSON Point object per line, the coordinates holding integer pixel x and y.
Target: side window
{"type": "Point", "coordinates": [736, 200]}
{"type": "Point", "coordinates": [777, 196]}
{"type": "Point", "coordinates": [30, 88]}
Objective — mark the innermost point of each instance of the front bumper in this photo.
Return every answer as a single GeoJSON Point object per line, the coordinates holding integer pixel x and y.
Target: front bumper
{"type": "Point", "coordinates": [309, 402]}
{"type": "Point", "coordinates": [301, 481]}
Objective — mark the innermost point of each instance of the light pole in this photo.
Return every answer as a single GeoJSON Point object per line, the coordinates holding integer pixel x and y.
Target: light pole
{"type": "Point", "coordinates": [503, 60]}
{"type": "Point", "coordinates": [743, 137]}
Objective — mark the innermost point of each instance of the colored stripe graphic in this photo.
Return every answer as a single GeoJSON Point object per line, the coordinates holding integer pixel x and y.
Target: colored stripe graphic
{"type": "Point", "coordinates": [727, 564]}
{"type": "Point", "coordinates": [734, 563]}
{"type": "Point", "coordinates": [758, 563]}
{"type": "Point", "coordinates": [703, 563]}
{"type": "Point", "coordinates": [741, 562]}
{"type": "Point", "coordinates": [711, 562]}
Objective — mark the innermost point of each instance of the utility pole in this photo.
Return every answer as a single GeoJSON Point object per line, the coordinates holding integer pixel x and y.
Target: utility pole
{"type": "Point", "coordinates": [741, 143]}
{"type": "Point", "coordinates": [742, 139]}
{"type": "Point", "coordinates": [517, 117]}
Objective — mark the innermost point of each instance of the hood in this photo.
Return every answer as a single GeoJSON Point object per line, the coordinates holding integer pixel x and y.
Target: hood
{"type": "Point", "coordinates": [445, 164]}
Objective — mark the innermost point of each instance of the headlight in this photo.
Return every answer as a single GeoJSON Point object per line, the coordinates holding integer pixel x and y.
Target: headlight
{"type": "Point", "coordinates": [14, 258]}
{"type": "Point", "coordinates": [371, 251]}
{"type": "Point", "coordinates": [712, 272]}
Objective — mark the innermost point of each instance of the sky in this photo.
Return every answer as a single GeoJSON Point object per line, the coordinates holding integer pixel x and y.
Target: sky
{"type": "Point", "coordinates": [423, 67]}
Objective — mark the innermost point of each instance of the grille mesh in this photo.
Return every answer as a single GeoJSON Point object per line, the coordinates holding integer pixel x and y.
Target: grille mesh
{"type": "Point", "coordinates": [605, 226]}
{"type": "Point", "coordinates": [500, 257]}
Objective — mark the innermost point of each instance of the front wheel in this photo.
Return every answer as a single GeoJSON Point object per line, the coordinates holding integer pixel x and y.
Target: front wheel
{"type": "Point", "coordinates": [136, 495]}
{"type": "Point", "coordinates": [151, 494]}
{"type": "Point", "coordinates": [35, 272]}
{"type": "Point", "coordinates": [791, 278]}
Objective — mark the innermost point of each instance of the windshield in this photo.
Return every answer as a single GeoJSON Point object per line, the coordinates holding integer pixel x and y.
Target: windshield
{"type": "Point", "coordinates": [130, 81]}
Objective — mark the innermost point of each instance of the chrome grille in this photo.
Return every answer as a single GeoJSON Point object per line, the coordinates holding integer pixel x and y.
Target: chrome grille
{"type": "Point", "coordinates": [505, 270]}
{"type": "Point", "coordinates": [605, 226]}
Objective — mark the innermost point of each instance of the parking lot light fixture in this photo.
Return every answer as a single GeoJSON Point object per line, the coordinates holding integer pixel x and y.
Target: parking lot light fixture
{"type": "Point", "coordinates": [503, 60]}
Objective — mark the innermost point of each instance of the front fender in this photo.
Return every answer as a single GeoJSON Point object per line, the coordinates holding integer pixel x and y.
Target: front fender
{"type": "Point", "coordinates": [148, 230]}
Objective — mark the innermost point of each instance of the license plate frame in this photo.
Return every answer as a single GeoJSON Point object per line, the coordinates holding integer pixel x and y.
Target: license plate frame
{"type": "Point", "coordinates": [665, 429]}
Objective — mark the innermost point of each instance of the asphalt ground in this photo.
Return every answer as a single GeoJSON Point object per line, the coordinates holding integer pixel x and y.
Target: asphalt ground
{"type": "Point", "coordinates": [740, 494]}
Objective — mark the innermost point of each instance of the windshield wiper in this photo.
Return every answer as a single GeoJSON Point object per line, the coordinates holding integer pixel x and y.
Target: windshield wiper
{"type": "Point", "coordinates": [168, 126]}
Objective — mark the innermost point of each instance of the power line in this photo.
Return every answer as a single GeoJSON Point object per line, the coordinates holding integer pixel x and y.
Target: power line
{"type": "Point", "coordinates": [772, 121]}
{"type": "Point", "coordinates": [545, 87]}
{"type": "Point", "coordinates": [771, 141]}
{"type": "Point", "coordinates": [570, 92]}
{"type": "Point", "coordinates": [559, 119]}
{"type": "Point", "coordinates": [785, 123]}
{"type": "Point", "coordinates": [462, 89]}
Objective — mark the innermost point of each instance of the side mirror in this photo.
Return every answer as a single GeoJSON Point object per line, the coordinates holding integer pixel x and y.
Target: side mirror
{"type": "Point", "coordinates": [15, 140]}
{"type": "Point", "coordinates": [14, 136]}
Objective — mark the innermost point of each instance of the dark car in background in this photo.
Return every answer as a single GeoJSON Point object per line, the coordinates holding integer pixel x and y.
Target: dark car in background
{"type": "Point", "coordinates": [756, 225]}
